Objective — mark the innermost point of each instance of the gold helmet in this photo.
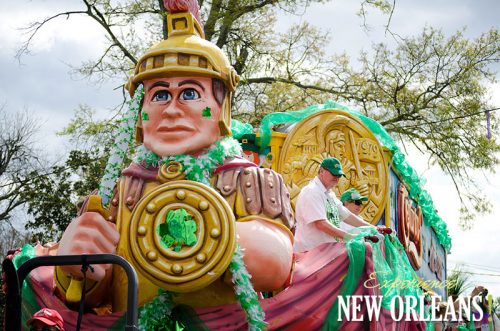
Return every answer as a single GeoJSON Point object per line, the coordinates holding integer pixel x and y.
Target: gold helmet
{"type": "Point", "coordinates": [186, 53]}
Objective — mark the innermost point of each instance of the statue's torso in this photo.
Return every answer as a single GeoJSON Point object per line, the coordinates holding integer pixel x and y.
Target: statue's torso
{"type": "Point", "coordinates": [251, 193]}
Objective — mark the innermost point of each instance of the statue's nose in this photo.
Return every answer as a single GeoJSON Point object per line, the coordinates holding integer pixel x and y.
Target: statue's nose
{"type": "Point", "coordinates": [172, 109]}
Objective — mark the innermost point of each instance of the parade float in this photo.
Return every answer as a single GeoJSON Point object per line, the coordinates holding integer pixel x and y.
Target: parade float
{"type": "Point", "coordinates": [209, 233]}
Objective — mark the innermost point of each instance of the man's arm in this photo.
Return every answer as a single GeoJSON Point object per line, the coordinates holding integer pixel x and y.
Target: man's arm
{"type": "Point", "coordinates": [328, 228]}
{"type": "Point", "coordinates": [355, 220]}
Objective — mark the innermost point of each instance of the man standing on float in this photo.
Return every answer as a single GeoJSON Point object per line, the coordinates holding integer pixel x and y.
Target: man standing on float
{"type": "Point", "coordinates": [319, 212]}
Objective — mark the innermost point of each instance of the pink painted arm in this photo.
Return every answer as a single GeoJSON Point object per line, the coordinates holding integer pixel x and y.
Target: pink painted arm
{"type": "Point", "coordinates": [268, 253]}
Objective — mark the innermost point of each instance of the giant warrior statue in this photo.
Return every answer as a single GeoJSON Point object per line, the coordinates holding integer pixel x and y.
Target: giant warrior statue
{"type": "Point", "coordinates": [186, 110]}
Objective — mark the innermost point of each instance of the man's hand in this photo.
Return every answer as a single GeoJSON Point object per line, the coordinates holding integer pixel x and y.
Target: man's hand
{"type": "Point", "coordinates": [384, 230]}
{"type": "Point", "coordinates": [89, 234]}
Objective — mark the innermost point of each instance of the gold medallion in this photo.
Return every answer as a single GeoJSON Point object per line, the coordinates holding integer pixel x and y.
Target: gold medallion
{"type": "Point", "coordinates": [336, 133]}
{"type": "Point", "coordinates": [184, 268]}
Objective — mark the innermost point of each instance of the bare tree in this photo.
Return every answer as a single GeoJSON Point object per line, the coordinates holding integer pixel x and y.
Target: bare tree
{"type": "Point", "coordinates": [18, 159]}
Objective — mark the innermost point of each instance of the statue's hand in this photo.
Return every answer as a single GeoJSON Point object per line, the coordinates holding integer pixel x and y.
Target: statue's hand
{"type": "Point", "coordinates": [363, 188]}
{"type": "Point", "coordinates": [89, 234]}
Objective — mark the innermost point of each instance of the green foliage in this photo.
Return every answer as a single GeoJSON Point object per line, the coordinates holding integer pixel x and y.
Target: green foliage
{"type": "Point", "coordinates": [52, 199]}
{"type": "Point", "coordinates": [457, 283]}
{"type": "Point", "coordinates": [431, 91]}
{"type": "Point", "coordinates": [84, 129]}
{"type": "Point", "coordinates": [54, 195]}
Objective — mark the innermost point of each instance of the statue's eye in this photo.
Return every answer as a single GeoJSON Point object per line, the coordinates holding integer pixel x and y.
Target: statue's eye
{"type": "Point", "coordinates": [190, 94]}
{"type": "Point", "coordinates": [162, 95]}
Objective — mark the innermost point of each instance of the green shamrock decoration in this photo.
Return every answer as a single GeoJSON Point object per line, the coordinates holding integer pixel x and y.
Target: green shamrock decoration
{"type": "Point", "coordinates": [145, 116]}
{"type": "Point", "coordinates": [178, 230]}
{"type": "Point", "coordinates": [207, 112]}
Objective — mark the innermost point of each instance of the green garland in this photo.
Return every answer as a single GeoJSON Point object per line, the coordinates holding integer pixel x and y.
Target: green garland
{"type": "Point", "coordinates": [155, 315]}
{"type": "Point", "coordinates": [196, 168]}
{"type": "Point", "coordinates": [123, 138]}
{"type": "Point", "coordinates": [245, 293]}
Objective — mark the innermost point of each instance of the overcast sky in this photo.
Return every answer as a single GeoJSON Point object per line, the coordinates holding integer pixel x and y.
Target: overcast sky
{"type": "Point", "coordinates": [43, 85]}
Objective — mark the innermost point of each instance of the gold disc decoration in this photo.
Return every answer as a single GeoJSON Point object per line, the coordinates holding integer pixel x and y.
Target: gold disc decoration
{"type": "Point", "coordinates": [337, 133]}
{"type": "Point", "coordinates": [192, 267]}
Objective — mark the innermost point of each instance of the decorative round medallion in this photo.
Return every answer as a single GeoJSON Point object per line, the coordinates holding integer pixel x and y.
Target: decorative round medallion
{"type": "Point", "coordinates": [336, 133]}
{"type": "Point", "coordinates": [182, 235]}
{"type": "Point", "coordinates": [170, 171]}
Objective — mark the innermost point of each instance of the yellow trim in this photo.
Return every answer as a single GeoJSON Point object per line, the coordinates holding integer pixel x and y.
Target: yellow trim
{"type": "Point", "coordinates": [276, 143]}
{"type": "Point", "coordinates": [72, 287]}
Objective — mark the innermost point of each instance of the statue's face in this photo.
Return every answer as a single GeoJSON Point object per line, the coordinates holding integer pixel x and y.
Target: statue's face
{"type": "Point", "coordinates": [175, 108]}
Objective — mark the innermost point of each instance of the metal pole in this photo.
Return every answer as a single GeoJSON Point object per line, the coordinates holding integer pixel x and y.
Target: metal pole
{"type": "Point", "coordinates": [28, 266]}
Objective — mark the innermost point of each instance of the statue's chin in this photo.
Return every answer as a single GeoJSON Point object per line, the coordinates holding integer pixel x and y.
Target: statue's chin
{"type": "Point", "coordinates": [163, 150]}
{"type": "Point", "coordinates": [176, 148]}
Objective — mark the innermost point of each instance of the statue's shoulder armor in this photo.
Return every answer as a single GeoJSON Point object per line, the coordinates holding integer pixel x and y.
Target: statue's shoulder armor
{"type": "Point", "coordinates": [134, 178]}
{"type": "Point", "coordinates": [254, 191]}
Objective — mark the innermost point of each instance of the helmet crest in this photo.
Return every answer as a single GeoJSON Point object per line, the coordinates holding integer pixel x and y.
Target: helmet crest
{"type": "Point", "coordinates": [180, 6]}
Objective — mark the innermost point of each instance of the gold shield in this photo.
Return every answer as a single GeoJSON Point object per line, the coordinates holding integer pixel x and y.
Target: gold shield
{"type": "Point", "coordinates": [337, 133]}
{"type": "Point", "coordinates": [192, 267]}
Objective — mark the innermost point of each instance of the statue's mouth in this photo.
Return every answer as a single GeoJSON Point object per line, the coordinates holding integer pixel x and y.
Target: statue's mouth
{"type": "Point", "coordinates": [175, 128]}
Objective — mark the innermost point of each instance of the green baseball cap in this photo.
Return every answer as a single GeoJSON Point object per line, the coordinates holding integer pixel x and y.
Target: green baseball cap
{"type": "Point", "coordinates": [333, 165]}
{"type": "Point", "coordinates": [352, 195]}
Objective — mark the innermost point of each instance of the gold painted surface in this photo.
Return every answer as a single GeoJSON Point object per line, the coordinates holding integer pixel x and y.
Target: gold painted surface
{"type": "Point", "coordinates": [193, 267]}
{"type": "Point", "coordinates": [276, 143]}
{"type": "Point", "coordinates": [170, 171]}
{"type": "Point", "coordinates": [338, 134]}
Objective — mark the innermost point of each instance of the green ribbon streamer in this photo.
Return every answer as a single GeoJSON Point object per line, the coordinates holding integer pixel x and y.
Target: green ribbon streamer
{"type": "Point", "coordinates": [356, 251]}
{"type": "Point", "coordinates": [29, 304]}
{"type": "Point", "coordinates": [394, 268]}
